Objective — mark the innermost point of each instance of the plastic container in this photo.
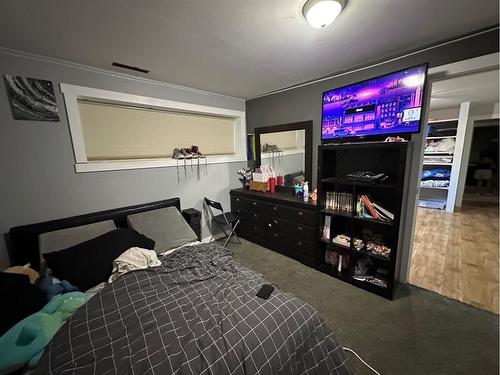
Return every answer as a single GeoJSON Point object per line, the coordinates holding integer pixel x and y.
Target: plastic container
{"type": "Point", "coordinates": [280, 180]}
{"type": "Point", "coordinates": [272, 184]}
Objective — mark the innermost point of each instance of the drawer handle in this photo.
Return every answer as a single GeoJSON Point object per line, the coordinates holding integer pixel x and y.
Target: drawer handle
{"type": "Point", "coordinates": [270, 226]}
{"type": "Point", "coordinates": [275, 208]}
{"type": "Point", "coordinates": [275, 221]}
{"type": "Point", "coordinates": [254, 203]}
{"type": "Point", "coordinates": [300, 213]}
{"type": "Point", "coordinates": [237, 199]}
{"type": "Point", "coordinates": [299, 227]}
{"type": "Point", "coordinates": [275, 235]}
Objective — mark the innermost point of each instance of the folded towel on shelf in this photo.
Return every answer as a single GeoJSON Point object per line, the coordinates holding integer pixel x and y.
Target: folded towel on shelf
{"type": "Point", "coordinates": [435, 174]}
{"type": "Point", "coordinates": [443, 145]}
{"type": "Point", "coordinates": [435, 183]}
{"type": "Point", "coordinates": [438, 159]}
{"type": "Point", "coordinates": [133, 259]}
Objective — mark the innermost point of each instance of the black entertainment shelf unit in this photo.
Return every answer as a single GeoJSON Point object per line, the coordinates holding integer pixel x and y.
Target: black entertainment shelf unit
{"type": "Point", "coordinates": [335, 161]}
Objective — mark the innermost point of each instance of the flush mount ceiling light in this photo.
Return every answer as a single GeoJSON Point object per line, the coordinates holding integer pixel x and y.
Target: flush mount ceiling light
{"type": "Point", "coordinates": [321, 13]}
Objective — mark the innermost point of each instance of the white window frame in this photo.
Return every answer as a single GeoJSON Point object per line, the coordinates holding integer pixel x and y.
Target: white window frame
{"type": "Point", "coordinates": [73, 93]}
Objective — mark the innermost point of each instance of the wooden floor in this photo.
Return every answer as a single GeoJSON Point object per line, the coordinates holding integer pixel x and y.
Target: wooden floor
{"type": "Point", "coordinates": [456, 254]}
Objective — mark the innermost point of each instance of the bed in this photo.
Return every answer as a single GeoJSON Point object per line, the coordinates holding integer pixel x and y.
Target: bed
{"type": "Point", "coordinates": [196, 313]}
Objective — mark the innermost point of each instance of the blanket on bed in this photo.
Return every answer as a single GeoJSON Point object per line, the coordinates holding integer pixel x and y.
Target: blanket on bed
{"type": "Point", "coordinates": [197, 313]}
{"type": "Point", "coordinates": [133, 259]}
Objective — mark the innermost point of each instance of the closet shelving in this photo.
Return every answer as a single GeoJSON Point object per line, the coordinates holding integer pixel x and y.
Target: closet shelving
{"type": "Point", "coordinates": [439, 132]}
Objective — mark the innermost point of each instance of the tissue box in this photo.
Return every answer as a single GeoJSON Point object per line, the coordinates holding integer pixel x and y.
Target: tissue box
{"type": "Point", "coordinates": [259, 186]}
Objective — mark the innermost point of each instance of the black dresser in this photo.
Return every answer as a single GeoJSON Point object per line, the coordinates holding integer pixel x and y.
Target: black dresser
{"type": "Point", "coordinates": [280, 222]}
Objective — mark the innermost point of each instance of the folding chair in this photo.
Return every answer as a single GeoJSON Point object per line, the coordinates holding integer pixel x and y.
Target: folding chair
{"type": "Point", "coordinates": [224, 219]}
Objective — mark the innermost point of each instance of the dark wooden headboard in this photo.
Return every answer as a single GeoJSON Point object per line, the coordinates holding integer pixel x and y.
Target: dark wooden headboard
{"type": "Point", "coordinates": [22, 241]}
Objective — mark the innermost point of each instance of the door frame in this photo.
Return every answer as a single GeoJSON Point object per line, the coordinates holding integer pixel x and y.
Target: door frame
{"type": "Point", "coordinates": [417, 147]}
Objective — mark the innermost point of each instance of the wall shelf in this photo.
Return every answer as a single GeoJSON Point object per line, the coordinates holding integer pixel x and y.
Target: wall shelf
{"type": "Point", "coordinates": [434, 187]}
{"type": "Point", "coordinates": [437, 153]}
{"type": "Point", "coordinates": [427, 163]}
{"type": "Point", "coordinates": [352, 217]}
{"type": "Point", "coordinates": [443, 137]}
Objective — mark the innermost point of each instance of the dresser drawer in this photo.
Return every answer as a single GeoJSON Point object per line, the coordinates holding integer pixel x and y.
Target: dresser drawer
{"type": "Point", "coordinates": [294, 229]}
{"type": "Point", "coordinates": [249, 204]}
{"type": "Point", "coordinates": [249, 215]}
{"type": "Point", "coordinates": [286, 241]}
{"type": "Point", "coordinates": [253, 229]}
{"type": "Point", "coordinates": [297, 215]}
{"type": "Point", "coordinates": [237, 201]}
{"type": "Point", "coordinates": [291, 214]}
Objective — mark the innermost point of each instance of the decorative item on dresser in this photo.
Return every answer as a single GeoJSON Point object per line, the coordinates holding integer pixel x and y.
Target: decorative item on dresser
{"type": "Point", "coordinates": [193, 218]}
{"type": "Point", "coordinates": [280, 222]}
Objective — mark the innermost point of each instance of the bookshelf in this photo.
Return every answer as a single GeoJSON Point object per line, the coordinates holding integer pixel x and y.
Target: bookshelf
{"type": "Point", "coordinates": [335, 161]}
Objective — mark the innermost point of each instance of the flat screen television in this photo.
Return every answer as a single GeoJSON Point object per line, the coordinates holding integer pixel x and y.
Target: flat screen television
{"type": "Point", "coordinates": [386, 105]}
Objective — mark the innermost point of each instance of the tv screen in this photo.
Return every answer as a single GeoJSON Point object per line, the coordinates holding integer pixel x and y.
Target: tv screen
{"type": "Point", "coordinates": [389, 104]}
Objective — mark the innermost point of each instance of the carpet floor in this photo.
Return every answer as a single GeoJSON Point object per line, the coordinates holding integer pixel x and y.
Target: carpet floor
{"type": "Point", "coordinates": [420, 332]}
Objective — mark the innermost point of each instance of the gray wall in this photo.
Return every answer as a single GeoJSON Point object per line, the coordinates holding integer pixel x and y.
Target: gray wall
{"type": "Point", "coordinates": [38, 179]}
{"type": "Point", "coordinates": [304, 103]}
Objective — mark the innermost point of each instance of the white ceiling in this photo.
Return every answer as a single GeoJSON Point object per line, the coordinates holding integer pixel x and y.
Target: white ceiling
{"type": "Point", "coordinates": [241, 48]}
{"type": "Point", "coordinates": [476, 88]}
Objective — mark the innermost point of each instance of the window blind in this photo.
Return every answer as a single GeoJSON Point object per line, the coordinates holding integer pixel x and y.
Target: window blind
{"type": "Point", "coordinates": [119, 132]}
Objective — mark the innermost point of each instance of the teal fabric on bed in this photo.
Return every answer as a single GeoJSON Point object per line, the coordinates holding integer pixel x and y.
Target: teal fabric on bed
{"type": "Point", "coordinates": [165, 226]}
{"type": "Point", "coordinates": [25, 342]}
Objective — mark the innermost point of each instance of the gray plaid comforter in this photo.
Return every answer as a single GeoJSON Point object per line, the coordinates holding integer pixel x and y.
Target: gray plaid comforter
{"type": "Point", "coordinates": [197, 313]}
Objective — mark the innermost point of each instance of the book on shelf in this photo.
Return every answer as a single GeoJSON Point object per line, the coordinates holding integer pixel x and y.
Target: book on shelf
{"type": "Point", "coordinates": [368, 204]}
{"type": "Point", "coordinates": [367, 209]}
{"type": "Point", "coordinates": [383, 212]}
{"type": "Point", "coordinates": [337, 201]}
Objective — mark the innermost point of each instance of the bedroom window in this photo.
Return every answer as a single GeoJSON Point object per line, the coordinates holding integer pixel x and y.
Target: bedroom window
{"type": "Point", "coordinates": [113, 131]}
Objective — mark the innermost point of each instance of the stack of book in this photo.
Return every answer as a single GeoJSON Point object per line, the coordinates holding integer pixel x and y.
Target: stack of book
{"type": "Point", "coordinates": [367, 209]}
{"type": "Point", "coordinates": [339, 201]}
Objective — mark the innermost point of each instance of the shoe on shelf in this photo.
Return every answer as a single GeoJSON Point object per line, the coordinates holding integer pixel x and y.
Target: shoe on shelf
{"type": "Point", "coordinates": [185, 154]}
{"type": "Point", "coordinates": [176, 154]}
{"type": "Point", "coordinates": [270, 148]}
{"type": "Point", "coordinates": [362, 269]}
{"type": "Point", "coordinates": [197, 151]}
{"type": "Point", "coordinates": [191, 152]}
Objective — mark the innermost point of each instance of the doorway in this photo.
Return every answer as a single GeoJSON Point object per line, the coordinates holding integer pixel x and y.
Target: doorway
{"type": "Point", "coordinates": [455, 245]}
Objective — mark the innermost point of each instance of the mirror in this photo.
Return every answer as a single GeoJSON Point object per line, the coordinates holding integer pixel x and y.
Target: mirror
{"type": "Point", "coordinates": [287, 149]}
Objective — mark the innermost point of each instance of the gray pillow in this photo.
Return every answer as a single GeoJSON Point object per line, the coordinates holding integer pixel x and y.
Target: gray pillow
{"type": "Point", "coordinates": [165, 226]}
{"type": "Point", "coordinates": [63, 238]}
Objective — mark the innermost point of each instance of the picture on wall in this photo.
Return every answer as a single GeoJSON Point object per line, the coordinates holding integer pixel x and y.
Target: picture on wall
{"type": "Point", "coordinates": [31, 99]}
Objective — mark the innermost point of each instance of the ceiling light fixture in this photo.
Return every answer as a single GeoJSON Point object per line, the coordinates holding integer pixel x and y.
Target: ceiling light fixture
{"type": "Point", "coordinates": [321, 13]}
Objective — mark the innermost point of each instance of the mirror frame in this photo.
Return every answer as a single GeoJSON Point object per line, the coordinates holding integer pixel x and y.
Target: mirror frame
{"type": "Point", "coordinates": [302, 125]}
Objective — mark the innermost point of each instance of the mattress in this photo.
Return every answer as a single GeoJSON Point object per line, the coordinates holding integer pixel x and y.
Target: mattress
{"type": "Point", "coordinates": [197, 313]}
